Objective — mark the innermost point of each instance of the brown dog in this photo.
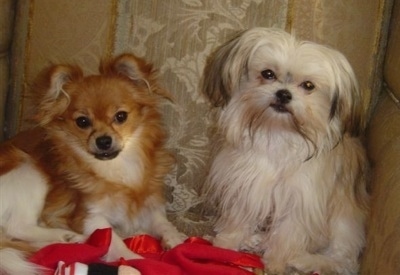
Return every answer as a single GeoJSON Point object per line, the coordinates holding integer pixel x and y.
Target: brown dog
{"type": "Point", "coordinates": [95, 160]}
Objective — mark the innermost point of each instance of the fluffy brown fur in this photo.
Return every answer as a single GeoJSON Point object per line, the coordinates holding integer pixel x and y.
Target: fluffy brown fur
{"type": "Point", "coordinates": [98, 154]}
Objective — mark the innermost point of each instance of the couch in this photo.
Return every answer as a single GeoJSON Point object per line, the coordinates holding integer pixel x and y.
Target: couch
{"type": "Point", "coordinates": [382, 255]}
{"type": "Point", "coordinates": [177, 36]}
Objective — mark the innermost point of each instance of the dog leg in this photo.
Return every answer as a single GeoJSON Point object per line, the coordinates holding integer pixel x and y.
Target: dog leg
{"type": "Point", "coordinates": [22, 196]}
{"type": "Point", "coordinates": [117, 248]}
{"type": "Point", "coordinates": [285, 241]}
{"type": "Point", "coordinates": [253, 243]}
{"type": "Point", "coordinates": [233, 236]}
{"type": "Point", "coordinates": [331, 261]}
{"type": "Point", "coordinates": [229, 240]}
{"type": "Point", "coordinates": [346, 240]}
{"type": "Point", "coordinates": [161, 227]}
{"type": "Point", "coordinates": [290, 246]}
{"type": "Point", "coordinates": [315, 263]}
{"type": "Point", "coordinates": [43, 236]}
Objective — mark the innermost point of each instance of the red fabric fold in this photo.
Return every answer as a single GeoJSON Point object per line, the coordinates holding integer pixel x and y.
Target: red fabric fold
{"type": "Point", "coordinates": [145, 246]}
{"type": "Point", "coordinates": [195, 256]}
{"type": "Point", "coordinates": [199, 259]}
{"type": "Point", "coordinates": [91, 251]}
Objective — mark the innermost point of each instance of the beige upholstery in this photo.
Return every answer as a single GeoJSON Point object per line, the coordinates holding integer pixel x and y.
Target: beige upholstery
{"type": "Point", "coordinates": [6, 27]}
{"type": "Point", "coordinates": [382, 255]}
{"type": "Point", "coordinates": [177, 36]}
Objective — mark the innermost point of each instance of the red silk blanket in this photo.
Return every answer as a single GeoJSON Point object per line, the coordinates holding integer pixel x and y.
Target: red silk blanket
{"type": "Point", "coordinates": [195, 256]}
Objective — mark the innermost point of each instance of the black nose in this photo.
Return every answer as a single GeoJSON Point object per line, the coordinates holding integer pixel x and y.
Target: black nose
{"type": "Point", "coordinates": [284, 96]}
{"type": "Point", "coordinates": [104, 142]}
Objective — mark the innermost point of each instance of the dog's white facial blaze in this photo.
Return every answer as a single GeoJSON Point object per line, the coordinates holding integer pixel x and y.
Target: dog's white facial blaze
{"type": "Point", "coordinates": [127, 166]}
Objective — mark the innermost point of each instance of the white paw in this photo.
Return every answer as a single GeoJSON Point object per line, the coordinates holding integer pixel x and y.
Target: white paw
{"type": "Point", "coordinates": [74, 238]}
{"type": "Point", "coordinates": [116, 254]}
{"type": "Point", "coordinates": [66, 236]}
{"type": "Point", "coordinates": [225, 241]}
{"type": "Point", "coordinates": [253, 243]}
{"type": "Point", "coordinates": [173, 240]}
{"type": "Point", "coordinates": [275, 261]}
{"type": "Point", "coordinates": [315, 263]}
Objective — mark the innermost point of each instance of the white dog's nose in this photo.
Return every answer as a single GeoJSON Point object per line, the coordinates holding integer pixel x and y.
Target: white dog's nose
{"type": "Point", "coordinates": [284, 96]}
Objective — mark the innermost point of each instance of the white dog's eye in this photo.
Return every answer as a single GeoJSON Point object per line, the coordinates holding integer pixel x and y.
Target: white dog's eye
{"type": "Point", "coordinates": [83, 122]}
{"type": "Point", "coordinates": [121, 116]}
{"type": "Point", "coordinates": [268, 74]}
{"type": "Point", "coordinates": [307, 85]}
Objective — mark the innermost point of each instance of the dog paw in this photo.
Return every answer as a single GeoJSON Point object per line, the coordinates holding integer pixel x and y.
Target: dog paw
{"type": "Point", "coordinates": [275, 269]}
{"type": "Point", "coordinates": [173, 240]}
{"type": "Point", "coordinates": [253, 243]}
{"type": "Point", "coordinates": [73, 237]}
{"type": "Point", "coordinates": [66, 236]}
{"type": "Point", "coordinates": [226, 241]}
{"type": "Point", "coordinates": [275, 264]}
{"type": "Point", "coordinates": [115, 255]}
{"type": "Point", "coordinates": [316, 264]}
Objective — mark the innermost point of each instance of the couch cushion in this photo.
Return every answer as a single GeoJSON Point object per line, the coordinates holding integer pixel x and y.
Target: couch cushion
{"type": "Point", "coordinates": [382, 255]}
{"type": "Point", "coordinates": [392, 60]}
{"type": "Point", "coordinates": [384, 127]}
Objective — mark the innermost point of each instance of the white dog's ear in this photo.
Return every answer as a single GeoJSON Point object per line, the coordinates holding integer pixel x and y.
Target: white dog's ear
{"type": "Point", "coordinates": [223, 71]}
{"type": "Point", "coordinates": [136, 70]}
{"type": "Point", "coordinates": [229, 63]}
{"type": "Point", "coordinates": [346, 103]}
{"type": "Point", "coordinates": [49, 91]}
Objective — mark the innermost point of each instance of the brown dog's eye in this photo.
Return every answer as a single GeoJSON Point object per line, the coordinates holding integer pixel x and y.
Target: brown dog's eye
{"type": "Point", "coordinates": [83, 122]}
{"type": "Point", "coordinates": [268, 74]}
{"type": "Point", "coordinates": [307, 85]}
{"type": "Point", "coordinates": [121, 116]}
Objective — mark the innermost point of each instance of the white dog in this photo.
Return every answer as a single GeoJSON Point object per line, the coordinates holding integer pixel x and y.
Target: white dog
{"type": "Point", "coordinates": [290, 178]}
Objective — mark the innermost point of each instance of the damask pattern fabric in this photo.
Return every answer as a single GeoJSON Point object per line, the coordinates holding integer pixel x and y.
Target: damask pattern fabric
{"type": "Point", "coordinates": [177, 36]}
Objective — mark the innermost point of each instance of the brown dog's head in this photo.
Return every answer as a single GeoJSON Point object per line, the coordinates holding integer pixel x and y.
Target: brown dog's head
{"type": "Point", "coordinates": [99, 115]}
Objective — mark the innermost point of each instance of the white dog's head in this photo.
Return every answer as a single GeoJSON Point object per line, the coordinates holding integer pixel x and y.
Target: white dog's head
{"type": "Point", "coordinates": [268, 83]}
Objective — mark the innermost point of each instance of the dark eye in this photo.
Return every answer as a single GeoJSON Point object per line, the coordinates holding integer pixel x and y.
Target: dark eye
{"type": "Point", "coordinates": [83, 122]}
{"type": "Point", "coordinates": [268, 74]}
{"type": "Point", "coordinates": [121, 116]}
{"type": "Point", "coordinates": [307, 85]}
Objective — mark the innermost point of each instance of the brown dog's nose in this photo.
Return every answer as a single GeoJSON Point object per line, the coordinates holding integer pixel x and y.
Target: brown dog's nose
{"type": "Point", "coordinates": [104, 142]}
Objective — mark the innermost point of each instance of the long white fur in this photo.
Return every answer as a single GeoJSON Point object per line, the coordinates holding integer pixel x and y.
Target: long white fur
{"type": "Point", "coordinates": [19, 214]}
{"type": "Point", "coordinates": [20, 210]}
{"type": "Point", "coordinates": [12, 262]}
{"type": "Point", "coordinates": [289, 184]}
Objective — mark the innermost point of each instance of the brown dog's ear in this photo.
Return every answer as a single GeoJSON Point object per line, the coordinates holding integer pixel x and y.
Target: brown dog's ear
{"type": "Point", "coordinates": [136, 70]}
{"type": "Point", "coordinates": [49, 91]}
{"type": "Point", "coordinates": [133, 67]}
